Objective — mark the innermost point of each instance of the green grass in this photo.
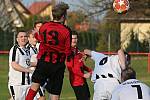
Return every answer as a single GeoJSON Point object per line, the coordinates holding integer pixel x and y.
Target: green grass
{"type": "Point", "coordinates": [140, 67]}
{"type": "Point", "coordinates": [67, 92]}
{"type": "Point", "coordinates": [3, 77]}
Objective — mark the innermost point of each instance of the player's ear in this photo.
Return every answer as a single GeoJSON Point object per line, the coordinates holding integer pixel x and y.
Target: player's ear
{"type": "Point", "coordinates": [17, 39]}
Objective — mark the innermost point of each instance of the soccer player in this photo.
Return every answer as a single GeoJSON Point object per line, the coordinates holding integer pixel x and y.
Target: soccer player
{"type": "Point", "coordinates": [76, 70]}
{"type": "Point", "coordinates": [131, 88]}
{"type": "Point", "coordinates": [19, 63]}
{"type": "Point", "coordinates": [107, 72]}
{"type": "Point", "coordinates": [55, 45]}
{"type": "Point", "coordinates": [37, 26]}
{"type": "Point", "coordinates": [33, 47]}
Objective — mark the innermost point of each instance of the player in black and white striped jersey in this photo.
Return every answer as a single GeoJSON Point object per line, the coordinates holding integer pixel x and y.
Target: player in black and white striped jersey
{"type": "Point", "coordinates": [107, 72]}
{"type": "Point", "coordinates": [33, 47]}
{"type": "Point", "coordinates": [19, 63]}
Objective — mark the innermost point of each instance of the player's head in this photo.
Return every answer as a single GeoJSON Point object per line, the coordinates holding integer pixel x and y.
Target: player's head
{"type": "Point", "coordinates": [37, 25]}
{"type": "Point", "coordinates": [128, 58]}
{"type": "Point", "coordinates": [128, 73]}
{"type": "Point", "coordinates": [74, 38]}
{"type": "Point", "coordinates": [22, 38]}
{"type": "Point", "coordinates": [31, 37]}
{"type": "Point", "coordinates": [59, 12]}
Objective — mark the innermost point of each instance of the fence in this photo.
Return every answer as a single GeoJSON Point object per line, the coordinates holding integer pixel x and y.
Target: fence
{"type": "Point", "coordinates": [131, 53]}
{"type": "Point", "coordinates": [139, 61]}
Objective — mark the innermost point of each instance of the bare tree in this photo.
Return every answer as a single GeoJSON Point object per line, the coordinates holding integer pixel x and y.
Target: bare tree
{"type": "Point", "coordinates": [92, 7]}
{"type": "Point", "coordinates": [9, 18]}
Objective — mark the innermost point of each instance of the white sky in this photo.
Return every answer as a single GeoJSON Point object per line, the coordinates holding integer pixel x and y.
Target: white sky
{"type": "Point", "coordinates": [71, 3]}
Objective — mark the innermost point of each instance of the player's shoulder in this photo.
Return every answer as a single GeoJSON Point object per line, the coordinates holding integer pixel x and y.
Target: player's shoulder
{"type": "Point", "coordinates": [58, 25]}
{"type": "Point", "coordinates": [52, 23]}
{"type": "Point", "coordinates": [13, 49]}
{"type": "Point", "coordinates": [98, 54]}
{"type": "Point", "coordinates": [114, 57]}
{"type": "Point", "coordinates": [145, 86]}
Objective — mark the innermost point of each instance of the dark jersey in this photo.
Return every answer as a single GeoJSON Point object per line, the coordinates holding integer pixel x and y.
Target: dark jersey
{"type": "Point", "coordinates": [55, 42]}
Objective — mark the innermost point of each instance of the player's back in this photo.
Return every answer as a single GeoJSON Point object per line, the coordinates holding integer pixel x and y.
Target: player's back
{"type": "Point", "coordinates": [55, 42]}
{"type": "Point", "coordinates": [55, 36]}
{"type": "Point", "coordinates": [132, 90]}
{"type": "Point", "coordinates": [106, 65]}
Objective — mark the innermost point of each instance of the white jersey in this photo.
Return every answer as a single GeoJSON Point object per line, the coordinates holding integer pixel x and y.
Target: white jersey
{"type": "Point", "coordinates": [33, 50]}
{"type": "Point", "coordinates": [105, 65]}
{"type": "Point", "coordinates": [131, 89]}
{"type": "Point", "coordinates": [22, 57]}
{"type": "Point", "coordinates": [33, 54]}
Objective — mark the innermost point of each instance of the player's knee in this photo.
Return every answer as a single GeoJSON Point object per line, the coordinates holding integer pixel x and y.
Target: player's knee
{"type": "Point", "coordinates": [35, 86]}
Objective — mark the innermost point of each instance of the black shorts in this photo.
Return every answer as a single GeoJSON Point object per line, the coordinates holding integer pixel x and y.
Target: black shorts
{"type": "Point", "coordinates": [82, 92]}
{"type": "Point", "coordinates": [54, 72]}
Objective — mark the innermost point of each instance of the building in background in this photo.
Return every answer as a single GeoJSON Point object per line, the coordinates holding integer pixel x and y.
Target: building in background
{"type": "Point", "coordinates": [41, 8]}
{"type": "Point", "coordinates": [134, 24]}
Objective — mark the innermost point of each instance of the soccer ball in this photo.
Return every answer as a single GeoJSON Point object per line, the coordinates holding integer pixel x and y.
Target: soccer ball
{"type": "Point", "coordinates": [121, 6]}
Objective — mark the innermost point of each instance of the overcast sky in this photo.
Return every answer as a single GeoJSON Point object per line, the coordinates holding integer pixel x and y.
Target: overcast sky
{"type": "Point", "coordinates": [71, 3]}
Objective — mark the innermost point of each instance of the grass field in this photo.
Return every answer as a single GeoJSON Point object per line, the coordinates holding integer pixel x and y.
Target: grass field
{"type": "Point", "coordinates": [140, 65]}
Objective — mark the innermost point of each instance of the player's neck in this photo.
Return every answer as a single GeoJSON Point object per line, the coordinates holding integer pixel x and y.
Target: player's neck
{"type": "Point", "coordinates": [33, 45]}
{"type": "Point", "coordinates": [60, 21]}
{"type": "Point", "coordinates": [56, 21]}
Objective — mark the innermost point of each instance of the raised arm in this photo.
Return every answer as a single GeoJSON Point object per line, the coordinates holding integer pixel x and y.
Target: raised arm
{"type": "Point", "coordinates": [122, 59]}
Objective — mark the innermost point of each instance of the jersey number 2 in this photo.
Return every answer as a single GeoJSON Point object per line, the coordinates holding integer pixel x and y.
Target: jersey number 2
{"type": "Point", "coordinates": [139, 91]}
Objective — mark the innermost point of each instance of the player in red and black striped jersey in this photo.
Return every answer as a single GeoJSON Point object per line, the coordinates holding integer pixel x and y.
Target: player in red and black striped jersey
{"type": "Point", "coordinates": [54, 37]}
{"type": "Point", "coordinates": [55, 45]}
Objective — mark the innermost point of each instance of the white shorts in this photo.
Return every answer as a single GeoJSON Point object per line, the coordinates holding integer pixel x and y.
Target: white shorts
{"type": "Point", "coordinates": [103, 88]}
{"type": "Point", "coordinates": [18, 92]}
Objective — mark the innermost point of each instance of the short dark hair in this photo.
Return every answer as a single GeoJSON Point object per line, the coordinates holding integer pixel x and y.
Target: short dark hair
{"type": "Point", "coordinates": [19, 32]}
{"type": "Point", "coordinates": [59, 10]}
{"type": "Point", "coordinates": [128, 73]}
{"type": "Point", "coordinates": [37, 22]}
{"type": "Point", "coordinates": [74, 32]}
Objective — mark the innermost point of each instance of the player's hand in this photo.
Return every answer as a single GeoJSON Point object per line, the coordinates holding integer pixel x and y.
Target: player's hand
{"type": "Point", "coordinates": [87, 75]}
{"type": "Point", "coordinates": [87, 52]}
{"type": "Point", "coordinates": [91, 72]}
{"type": "Point", "coordinates": [33, 64]}
{"type": "Point", "coordinates": [84, 56]}
{"type": "Point", "coordinates": [29, 70]}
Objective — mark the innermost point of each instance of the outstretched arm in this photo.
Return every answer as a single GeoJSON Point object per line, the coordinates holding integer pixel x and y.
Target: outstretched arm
{"type": "Point", "coordinates": [122, 59]}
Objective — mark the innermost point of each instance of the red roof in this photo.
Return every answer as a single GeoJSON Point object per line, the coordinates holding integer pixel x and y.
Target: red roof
{"type": "Point", "coordinates": [37, 7]}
